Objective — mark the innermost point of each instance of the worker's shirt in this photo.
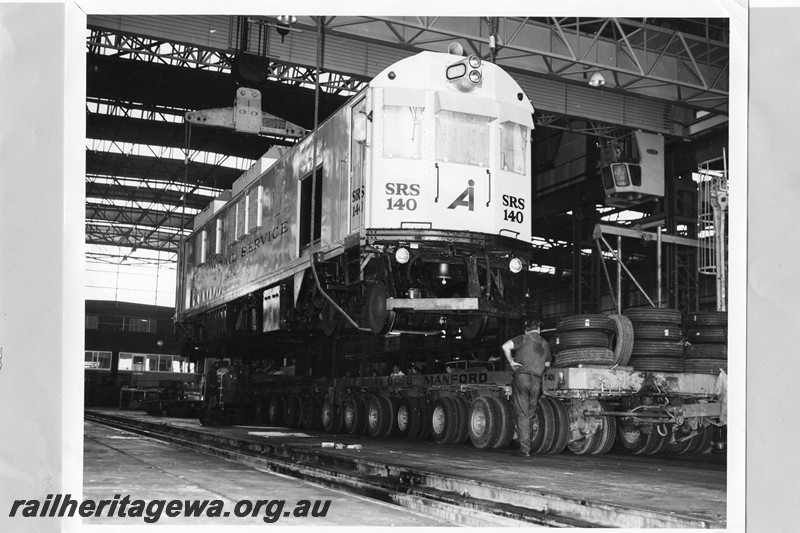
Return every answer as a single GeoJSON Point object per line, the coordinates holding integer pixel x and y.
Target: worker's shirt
{"type": "Point", "coordinates": [532, 352]}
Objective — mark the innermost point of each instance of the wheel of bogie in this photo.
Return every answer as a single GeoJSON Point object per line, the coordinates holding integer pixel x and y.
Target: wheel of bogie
{"type": "Point", "coordinates": [484, 422]}
{"type": "Point", "coordinates": [462, 425]}
{"type": "Point", "coordinates": [475, 325]}
{"type": "Point", "coordinates": [543, 432]}
{"type": "Point", "coordinates": [331, 321]}
{"type": "Point", "coordinates": [561, 424]}
{"type": "Point", "coordinates": [355, 414]}
{"type": "Point", "coordinates": [390, 429]}
{"type": "Point", "coordinates": [506, 431]}
{"type": "Point", "coordinates": [276, 410]}
{"type": "Point", "coordinates": [381, 319]}
{"type": "Point", "coordinates": [607, 435]}
{"type": "Point", "coordinates": [444, 419]}
{"type": "Point", "coordinates": [291, 411]}
{"type": "Point", "coordinates": [332, 418]}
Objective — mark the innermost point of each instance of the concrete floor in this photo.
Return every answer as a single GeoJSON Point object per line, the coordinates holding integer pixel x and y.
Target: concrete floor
{"type": "Point", "coordinates": [117, 462]}
{"type": "Point", "coordinates": [691, 487]}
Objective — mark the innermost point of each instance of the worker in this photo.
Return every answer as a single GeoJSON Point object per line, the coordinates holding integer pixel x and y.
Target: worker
{"type": "Point", "coordinates": [531, 356]}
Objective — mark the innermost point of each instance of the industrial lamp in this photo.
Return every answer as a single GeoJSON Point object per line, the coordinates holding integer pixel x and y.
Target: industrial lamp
{"type": "Point", "coordinates": [597, 80]}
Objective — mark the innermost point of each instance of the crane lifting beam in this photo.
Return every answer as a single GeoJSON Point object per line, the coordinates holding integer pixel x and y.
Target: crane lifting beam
{"type": "Point", "coordinates": [246, 116]}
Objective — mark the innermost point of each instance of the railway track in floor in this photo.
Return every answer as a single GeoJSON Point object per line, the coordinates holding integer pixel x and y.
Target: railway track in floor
{"type": "Point", "coordinates": [456, 499]}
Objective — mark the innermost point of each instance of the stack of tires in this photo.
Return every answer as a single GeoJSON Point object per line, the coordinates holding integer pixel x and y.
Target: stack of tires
{"type": "Point", "coordinates": [592, 339]}
{"type": "Point", "coordinates": [706, 350]}
{"type": "Point", "coordinates": [658, 339]}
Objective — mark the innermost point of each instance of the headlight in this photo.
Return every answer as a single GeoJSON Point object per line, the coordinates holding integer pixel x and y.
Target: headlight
{"type": "Point", "coordinates": [402, 255]}
{"type": "Point", "coordinates": [475, 76]}
{"type": "Point", "coordinates": [474, 61]}
{"type": "Point", "coordinates": [515, 265]}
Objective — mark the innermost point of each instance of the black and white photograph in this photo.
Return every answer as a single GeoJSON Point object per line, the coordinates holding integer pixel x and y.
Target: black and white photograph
{"type": "Point", "coordinates": [485, 266]}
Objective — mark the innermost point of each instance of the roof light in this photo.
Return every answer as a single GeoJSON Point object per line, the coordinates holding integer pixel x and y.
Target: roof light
{"type": "Point", "coordinates": [475, 76]}
{"type": "Point", "coordinates": [456, 71]}
{"type": "Point", "coordinates": [474, 61]}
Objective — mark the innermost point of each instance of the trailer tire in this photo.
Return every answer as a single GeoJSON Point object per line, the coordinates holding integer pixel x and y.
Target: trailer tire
{"type": "Point", "coordinates": [425, 409]}
{"type": "Point", "coordinates": [623, 339]}
{"type": "Point", "coordinates": [706, 351]}
{"type": "Point", "coordinates": [543, 433]}
{"type": "Point", "coordinates": [706, 318]}
{"type": "Point", "coordinates": [607, 435]}
{"type": "Point", "coordinates": [331, 417]}
{"type": "Point", "coordinates": [444, 420]}
{"type": "Point", "coordinates": [583, 322]}
{"type": "Point", "coordinates": [275, 410]}
{"type": "Point", "coordinates": [632, 439]}
{"type": "Point", "coordinates": [580, 339]}
{"type": "Point", "coordinates": [462, 425]}
{"type": "Point", "coordinates": [650, 331]}
{"type": "Point", "coordinates": [506, 433]}
{"type": "Point", "coordinates": [408, 418]}
{"type": "Point", "coordinates": [711, 334]}
{"type": "Point", "coordinates": [682, 440]}
{"type": "Point", "coordinates": [355, 414]}
{"type": "Point", "coordinates": [653, 314]}
{"type": "Point", "coordinates": [703, 442]}
{"type": "Point", "coordinates": [658, 349]}
{"type": "Point", "coordinates": [484, 422]}
{"type": "Point", "coordinates": [588, 356]}
{"type": "Point", "coordinates": [376, 416]}
{"type": "Point", "coordinates": [261, 412]}
{"type": "Point", "coordinates": [306, 412]}
{"type": "Point", "coordinates": [705, 366]}
{"type": "Point", "coordinates": [657, 364]}
{"type": "Point", "coordinates": [291, 410]}
{"type": "Point", "coordinates": [560, 425]}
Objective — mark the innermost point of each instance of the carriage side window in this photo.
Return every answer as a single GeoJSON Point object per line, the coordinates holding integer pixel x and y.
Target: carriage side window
{"type": "Point", "coordinates": [305, 209]}
{"type": "Point", "coordinates": [462, 138]}
{"type": "Point", "coordinates": [240, 216]}
{"type": "Point", "coordinates": [513, 147]}
{"type": "Point", "coordinates": [203, 246]}
{"type": "Point", "coordinates": [402, 132]}
{"type": "Point", "coordinates": [257, 211]}
{"type": "Point", "coordinates": [218, 238]}
{"type": "Point", "coordinates": [198, 249]}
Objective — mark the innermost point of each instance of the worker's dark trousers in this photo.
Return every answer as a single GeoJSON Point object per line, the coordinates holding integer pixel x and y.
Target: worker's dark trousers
{"type": "Point", "coordinates": [527, 388]}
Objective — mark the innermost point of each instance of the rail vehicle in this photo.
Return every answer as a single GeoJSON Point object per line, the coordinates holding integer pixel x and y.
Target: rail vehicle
{"type": "Point", "coordinates": [408, 210]}
{"type": "Point", "coordinates": [406, 214]}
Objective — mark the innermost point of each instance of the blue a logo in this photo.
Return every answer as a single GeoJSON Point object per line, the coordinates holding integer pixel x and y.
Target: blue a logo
{"type": "Point", "coordinates": [466, 198]}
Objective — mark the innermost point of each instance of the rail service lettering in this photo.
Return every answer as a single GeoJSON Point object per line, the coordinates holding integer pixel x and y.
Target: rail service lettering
{"type": "Point", "coordinates": [259, 239]}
